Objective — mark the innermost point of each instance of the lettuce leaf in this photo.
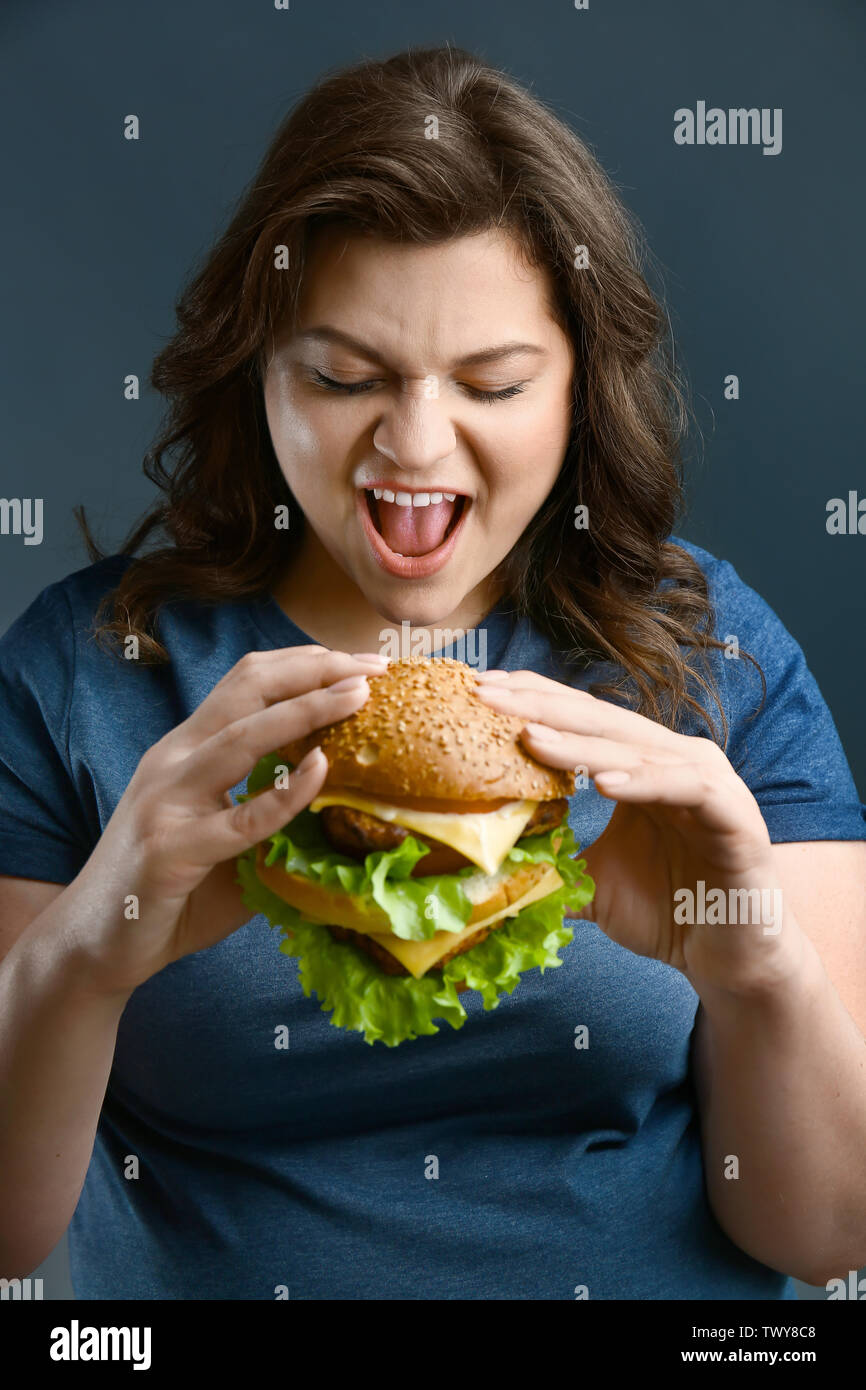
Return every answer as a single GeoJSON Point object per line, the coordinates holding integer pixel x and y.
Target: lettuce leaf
{"type": "Point", "coordinates": [263, 774]}
{"type": "Point", "coordinates": [394, 1009]}
{"type": "Point", "coordinates": [416, 907]}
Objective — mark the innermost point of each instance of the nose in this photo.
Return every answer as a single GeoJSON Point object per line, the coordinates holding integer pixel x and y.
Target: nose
{"type": "Point", "coordinates": [415, 430]}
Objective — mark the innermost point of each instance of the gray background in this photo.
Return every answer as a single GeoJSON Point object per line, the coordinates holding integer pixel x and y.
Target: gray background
{"type": "Point", "coordinates": [760, 256]}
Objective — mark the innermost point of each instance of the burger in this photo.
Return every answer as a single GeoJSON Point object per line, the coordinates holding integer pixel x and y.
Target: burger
{"type": "Point", "coordinates": [436, 858]}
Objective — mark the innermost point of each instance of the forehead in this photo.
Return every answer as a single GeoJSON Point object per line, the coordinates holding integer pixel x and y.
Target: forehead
{"type": "Point", "coordinates": [458, 294]}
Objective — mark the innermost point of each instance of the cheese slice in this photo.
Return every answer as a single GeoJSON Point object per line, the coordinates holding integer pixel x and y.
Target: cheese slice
{"type": "Point", "coordinates": [485, 837]}
{"type": "Point", "coordinates": [420, 956]}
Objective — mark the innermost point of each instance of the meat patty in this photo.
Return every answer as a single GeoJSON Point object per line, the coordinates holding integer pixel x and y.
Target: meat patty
{"type": "Point", "coordinates": [389, 964]}
{"type": "Point", "coordinates": [356, 834]}
{"type": "Point", "coordinates": [546, 815]}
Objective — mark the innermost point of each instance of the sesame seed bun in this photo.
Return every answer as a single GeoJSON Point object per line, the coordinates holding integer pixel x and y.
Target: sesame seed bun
{"type": "Point", "coordinates": [424, 734]}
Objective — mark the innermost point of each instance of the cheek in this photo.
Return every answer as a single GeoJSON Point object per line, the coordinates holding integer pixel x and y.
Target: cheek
{"type": "Point", "coordinates": [527, 456]}
{"type": "Point", "coordinates": [550, 425]}
{"type": "Point", "coordinates": [306, 443]}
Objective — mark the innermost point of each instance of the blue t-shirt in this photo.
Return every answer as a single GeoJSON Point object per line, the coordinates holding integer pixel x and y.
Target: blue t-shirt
{"type": "Point", "coordinates": [307, 1167]}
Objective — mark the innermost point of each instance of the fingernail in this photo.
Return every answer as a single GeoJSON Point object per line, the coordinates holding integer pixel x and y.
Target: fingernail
{"type": "Point", "coordinates": [307, 762]}
{"type": "Point", "coordinates": [613, 779]}
{"type": "Point", "coordinates": [541, 733]}
{"type": "Point", "coordinates": [491, 675]}
{"type": "Point", "coordinates": [371, 656]}
{"type": "Point", "coordinates": [349, 684]}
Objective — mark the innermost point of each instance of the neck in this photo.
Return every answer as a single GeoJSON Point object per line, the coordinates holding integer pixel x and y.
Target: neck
{"type": "Point", "coordinates": [322, 600]}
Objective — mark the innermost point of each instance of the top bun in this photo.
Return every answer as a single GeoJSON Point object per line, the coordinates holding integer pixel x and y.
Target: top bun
{"type": "Point", "coordinates": [424, 732]}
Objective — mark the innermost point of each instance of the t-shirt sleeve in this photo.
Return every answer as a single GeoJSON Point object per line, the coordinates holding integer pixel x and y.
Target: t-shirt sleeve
{"type": "Point", "coordinates": [42, 827]}
{"type": "Point", "coordinates": [787, 750]}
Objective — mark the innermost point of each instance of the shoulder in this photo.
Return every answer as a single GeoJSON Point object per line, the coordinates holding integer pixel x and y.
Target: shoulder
{"type": "Point", "coordinates": [744, 619]}
{"type": "Point", "coordinates": [729, 593]}
{"type": "Point", "coordinates": [782, 738]}
{"type": "Point", "coordinates": [84, 589]}
{"type": "Point", "coordinates": [72, 599]}
{"type": "Point", "coordinates": [50, 623]}
{"type": "Point", "coordinates": [51, 640]}
{"type": "Point", "coordinates": [49, 687]}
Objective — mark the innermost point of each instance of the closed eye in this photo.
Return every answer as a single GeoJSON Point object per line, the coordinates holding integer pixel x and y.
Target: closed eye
{"type": "Point", "coordinates": [351, 388]}
{"type": "Point", "coordinates": [503, 395]}
{"type": "Point", "coordinates": [356, 388]}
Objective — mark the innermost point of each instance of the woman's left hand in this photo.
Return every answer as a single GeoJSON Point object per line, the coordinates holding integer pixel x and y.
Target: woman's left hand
{"type": "Point", "coordinates": [682, 816]}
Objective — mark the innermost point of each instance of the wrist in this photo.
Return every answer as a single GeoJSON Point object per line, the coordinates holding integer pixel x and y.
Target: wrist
{"type": "Point", "coordinates": [743, 940]}
{"type": "Point", "coordinates": [45, 964]}
{"type": "Point", "coordinates": [86, 976]}
{"type": "Point", "coordinates": [782, 969]}
{"type": "Point", "coordinates": [63, 939]}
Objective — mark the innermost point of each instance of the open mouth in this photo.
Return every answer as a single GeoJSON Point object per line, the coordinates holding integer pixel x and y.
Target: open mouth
{"type": "Point", "coordinates": [418, 523]}
{"type": "Point", "coordinates": [412, 534]}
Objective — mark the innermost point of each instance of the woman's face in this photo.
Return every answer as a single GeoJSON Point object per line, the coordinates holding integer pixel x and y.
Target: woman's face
{"type": "Point", "coordinates": [420, 411]}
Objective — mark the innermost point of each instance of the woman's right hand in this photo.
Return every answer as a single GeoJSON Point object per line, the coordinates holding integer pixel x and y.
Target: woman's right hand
{"type": "Point", "coordinates": [170, 847]}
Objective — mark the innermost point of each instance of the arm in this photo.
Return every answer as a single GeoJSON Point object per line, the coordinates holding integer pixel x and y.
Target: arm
{"type": "Point", "coordinates": [172, 843]}
{"type": "Point", "coordinates": [780, 1072]}
{"type": "Point", "coordinates": [57, 1036]}
{"type": "Point", "coordinates": [779, 1057]}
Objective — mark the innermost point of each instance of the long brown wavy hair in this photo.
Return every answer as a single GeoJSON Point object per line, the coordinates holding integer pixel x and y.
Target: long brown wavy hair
{"type": "Point", "coordinates": [357, 151]}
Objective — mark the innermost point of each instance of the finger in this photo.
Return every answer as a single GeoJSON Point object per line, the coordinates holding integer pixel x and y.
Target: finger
{"type": "Point", "coordinates": [260, 679]}
{"type": "Point", "coordinates": [689, 786]}
{"type": "Point", "coordinates": [228, 756]}
{"type": "Point", "coordinates": [577, 712]}
{"type": "Point", "coordinates": [571, 751]}
{"type": "Point", "coordinates": [515, 679]}
{"type": "Point", "coordinates": [210, 839]}
{"type": "Point", "coordinates": [527, 680]}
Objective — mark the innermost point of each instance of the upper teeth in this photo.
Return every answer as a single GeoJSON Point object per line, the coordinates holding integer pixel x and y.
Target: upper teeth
{"type": "Point", "coordinates": [412, 499]}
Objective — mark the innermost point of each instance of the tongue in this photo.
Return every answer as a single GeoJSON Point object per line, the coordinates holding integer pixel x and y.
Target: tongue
{"type": "Point", "coordinates": [414, 530]}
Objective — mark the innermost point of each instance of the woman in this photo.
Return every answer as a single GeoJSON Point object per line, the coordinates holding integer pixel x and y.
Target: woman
{"type": "Point", "coordinates": [421, 378]}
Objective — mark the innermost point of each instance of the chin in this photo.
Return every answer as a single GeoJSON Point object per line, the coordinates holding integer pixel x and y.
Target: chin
{"type": "Point", "coordinates": [419, 610]}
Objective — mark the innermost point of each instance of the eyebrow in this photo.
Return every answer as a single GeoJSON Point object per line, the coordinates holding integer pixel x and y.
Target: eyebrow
{"type": "Point", "coordinates": [326, 334]}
